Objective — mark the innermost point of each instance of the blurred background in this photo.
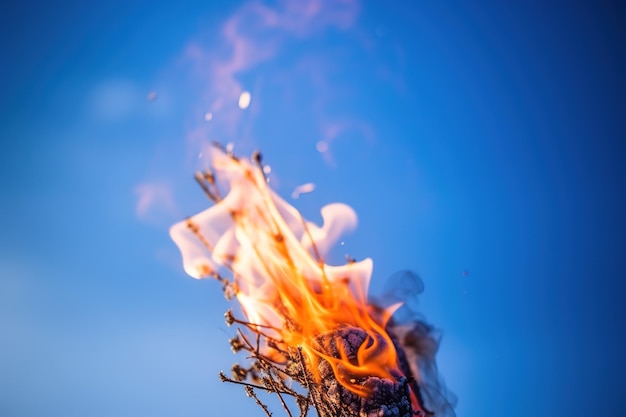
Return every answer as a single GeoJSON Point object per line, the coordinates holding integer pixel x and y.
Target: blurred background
{"type": "Point", "coordinates": [482, 145]}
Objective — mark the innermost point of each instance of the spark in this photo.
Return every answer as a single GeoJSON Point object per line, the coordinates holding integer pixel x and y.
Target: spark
{"type": "Point", "coordinates": [302, 189]}
{"type": "Point", "coordinates": [244, 100]}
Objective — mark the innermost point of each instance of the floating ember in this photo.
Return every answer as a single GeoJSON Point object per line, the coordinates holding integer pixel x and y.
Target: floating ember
{"type": "Point", "coordinates": [304, 320]}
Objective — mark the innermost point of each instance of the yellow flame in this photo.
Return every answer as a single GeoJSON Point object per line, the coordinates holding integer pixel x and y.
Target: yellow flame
{"type": "Point", "coordinates": [276, 258]}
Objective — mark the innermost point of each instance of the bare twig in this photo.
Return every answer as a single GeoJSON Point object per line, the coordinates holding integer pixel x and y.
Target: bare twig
{"type": "Point", "coordinates": [250, 392]}
{"type": "Point", "coordinates": [224, 378]}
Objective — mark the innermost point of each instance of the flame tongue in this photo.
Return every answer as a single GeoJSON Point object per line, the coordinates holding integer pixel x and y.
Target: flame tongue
{"type": "Point", "coordinates": [280, 278]}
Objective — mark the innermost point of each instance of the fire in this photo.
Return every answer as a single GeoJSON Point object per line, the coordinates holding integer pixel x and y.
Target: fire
{"type": "Point", "coordinates": [286, 290]}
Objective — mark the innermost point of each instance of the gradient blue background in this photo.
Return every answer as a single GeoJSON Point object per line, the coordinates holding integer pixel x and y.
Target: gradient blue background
{"type": "Point", "coordinates": [486, 137]}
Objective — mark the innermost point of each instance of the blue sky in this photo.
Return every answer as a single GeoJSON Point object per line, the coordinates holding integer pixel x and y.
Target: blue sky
{"type": "Point", "coordinates": [483, 137]}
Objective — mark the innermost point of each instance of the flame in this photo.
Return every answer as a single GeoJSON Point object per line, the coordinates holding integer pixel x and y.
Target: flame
{"type": "Point", "coordinates": [280, 278]}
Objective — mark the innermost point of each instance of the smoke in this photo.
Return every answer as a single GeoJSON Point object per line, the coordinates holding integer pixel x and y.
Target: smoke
{"type": "Point", "coordinates": [418, 342]}
{"type": "Point", "coordinates": [225, 71]}
{"type": "Point", "coordinates": [275, 72]}
{"type": "Point", "coordinates": [153, 199]}
{"type": "Point", "coordinates": [236, 64]}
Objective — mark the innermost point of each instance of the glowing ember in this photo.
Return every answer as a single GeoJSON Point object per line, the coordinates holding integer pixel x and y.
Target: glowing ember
{"type": "Point", "coordinates": [322, 146]}
{"type": "Point", "coordinates": [244, 100]}
{"type": "Point", "coordinates": [302, 189]}
{"type": "Point", "coordinates": [310, 319]}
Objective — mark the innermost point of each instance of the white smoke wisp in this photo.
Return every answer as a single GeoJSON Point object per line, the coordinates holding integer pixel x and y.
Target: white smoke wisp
{"type": "Point", "coordinates": [255, 34]}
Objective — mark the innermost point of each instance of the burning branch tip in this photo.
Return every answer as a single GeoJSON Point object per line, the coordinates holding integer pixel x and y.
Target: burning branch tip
{"type": "Point", "coordinates": [191, 225]}
{"type": "Point", "coordinates": [218, 145]}
{"type": "Point", "coordinates": [209, 177]}
{"type": "Point", "coordinates": [223, 377]}
{"type": "Point", "coordinates": [239, 373]}
{"type": "Point", "coordinates": [258, 158]}
{"type": "Point", "coordinates": [229, 289]}
{"type": "Point", "coordinates": [230, 318]}
{"type": "Point", "coordinates": [255, 328]}
{"type": "Point", "coordinates": [201, 179]}
{"type": "Point", "coordinates": [271, 343]}
{"type": "Point", "coordinates": [228, 150]}
{"type": "Point", "coordinates": [236, 345]}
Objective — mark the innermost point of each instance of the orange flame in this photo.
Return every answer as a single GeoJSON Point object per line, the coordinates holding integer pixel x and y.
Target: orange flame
{"type": "Point", "coordinates": [281, 280]}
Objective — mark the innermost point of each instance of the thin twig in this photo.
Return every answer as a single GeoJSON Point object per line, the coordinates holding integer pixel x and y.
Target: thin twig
{"type": "Point", "coordinates": [280, 397]}
{"type": "Point", "coordinates": [250, 392]}
{"type": "Point", "coordinates": [224, 378]}
{"type": "Point", "coordinates": [306, 380]}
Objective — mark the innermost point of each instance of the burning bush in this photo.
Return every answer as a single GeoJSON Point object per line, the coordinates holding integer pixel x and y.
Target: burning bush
{"type": "Point", "coordinates": [304, 320]}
